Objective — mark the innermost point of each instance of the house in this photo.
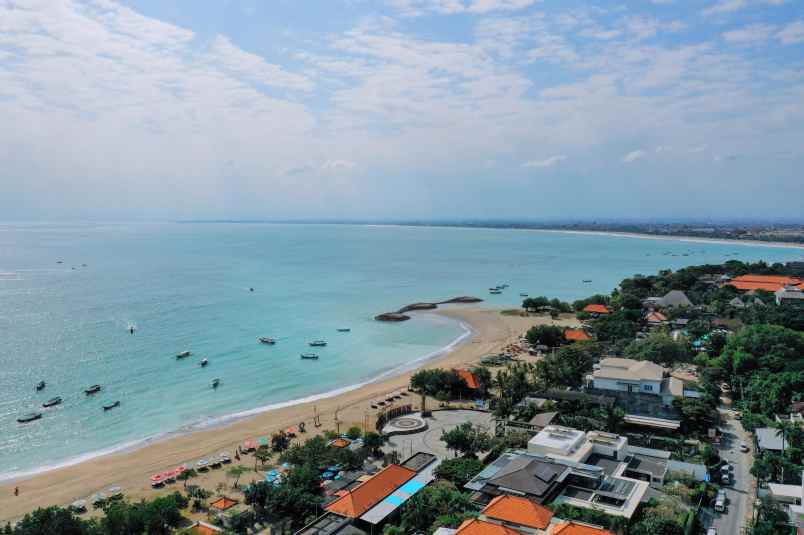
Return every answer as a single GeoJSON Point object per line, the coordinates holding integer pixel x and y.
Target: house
{"type": "Point", "coordinates": [769, 283]}
{"type": "Point", "coordinates": [676, 298]}
{"type": "Point", "coordinates": [656, 319]}
{"type": "Point", "coordinates": [628, 375]}
{"type": "Point", "coordinates": [790, 295]}
{"type": "Point", "coordinates": [790, 498]}
{"type": "Point", "coordinates": [596, 309]}
{"type": "Point", "coordinates": [769, 439]}
{"type": "Point", "coordinates": [519, 513]}
{"type": "Point", "coordinates": [202, 528]}
{"type": "Point", "coordinates": [579, 528]}
{"type": "Point", "coordinates": [576, 335]}
{"type": "Point", "coordinates": [531, 476]}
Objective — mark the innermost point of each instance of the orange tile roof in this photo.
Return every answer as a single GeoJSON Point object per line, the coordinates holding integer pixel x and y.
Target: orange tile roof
{"type": "Point", "coordinates": [223, 503]}
{"type": "Point", "coordinates": [596, 309]}
{"type": "Point", "coordinates": [371, 492]}
{"type": "Point", "coordinates": [571, 528]}
{"type": "Point", "coordinates": [469, 378]}
{"type": "Point", "coordinates": [770, 283]}
{"type": "Point", "coordinates": [204, 530]}
{"type": "Point", "coordinates": [656, 316]}
{"type": "Point", "coordinates": [576, 335]}
{"type": "Point", "coordinates": [481, 527]}
{"type": "Point", "coordinates": [518, 510]}
{"type": "Point", "coordinates": [340, 443]}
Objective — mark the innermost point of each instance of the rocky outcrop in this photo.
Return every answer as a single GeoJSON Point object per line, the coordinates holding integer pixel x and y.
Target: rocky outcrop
{"type": "Point", "coordinates": [400, 315]}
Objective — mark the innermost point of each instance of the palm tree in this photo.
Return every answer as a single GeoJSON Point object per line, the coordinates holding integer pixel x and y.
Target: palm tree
{"type": "Point", "coordinates": [236, 471]}
{"type": "Point", "coordinates": [783, 429]}
{"type": "Point", "coordinates": [263, 455]}
{"type": "Point", "coordinates": [185, 475]}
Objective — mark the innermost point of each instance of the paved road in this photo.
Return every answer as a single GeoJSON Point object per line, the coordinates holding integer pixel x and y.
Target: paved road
{"type": "Point", "coordinates": [740, 494]}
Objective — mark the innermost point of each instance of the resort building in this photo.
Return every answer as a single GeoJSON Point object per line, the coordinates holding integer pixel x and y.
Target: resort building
{"type": "Point", "coordinates": [672, 299]}
{"type": "Point", "coordinates": [596, 310]}
{"type": "Point", "coordinates": [770, 439]}
{"type": "Point", "coordinates": [628, 375]}
{"type": "Point", "coordinates": [790, 295]}
{"type": "Point", "coordinates": [371, 502]}
{"type": "Point", "coordinates": [593, 470]}
{"type": "Point", "coordinates": [769, 283]}
{"type": "Point", "coordinates": [656, 319]}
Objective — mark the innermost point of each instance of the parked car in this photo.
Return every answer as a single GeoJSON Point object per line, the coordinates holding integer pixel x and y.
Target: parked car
{"type": "Point", "coordinates": [711, 531]}
{"type": "Point", "coordinates": [743, 447]}
{"type": "Point", "coordinates": [725, 479]}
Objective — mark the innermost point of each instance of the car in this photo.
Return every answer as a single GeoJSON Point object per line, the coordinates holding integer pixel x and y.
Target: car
{"type": "Point", "coordinates": [738, 415]}
{"type": "Point", "coordinates": [743, 447]}
{"type": "Point", "coordinates": [711, 531]}
{"type": "Point", "coordinates": [725, 479]}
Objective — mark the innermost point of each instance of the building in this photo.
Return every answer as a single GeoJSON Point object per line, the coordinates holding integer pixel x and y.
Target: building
{"type": "Point", "coordinates": [593, 470]}
{"type": "Point", "coordinates": [360, 508]}
{"type": "Point", "coordinates": [579, 528]}
{"type": "Point", "coordinates": [770, 439]}
{"type": "Point", "coordinates": [672, 299]}
{"type": "Point", "coordinates": [656, 319]}
{"type": "Point", "coordinates": [790, 295]}
{"type": "Point", "coordinates": [628, 375]}
{"type": "Point", "coordinates": [769, 283]}
{"type": "Point", "coordinates": [596, 310]}
{"type": "Point", "coordinates": [576, 335]}
{"type": "Point", "coordinates": [519, 513]}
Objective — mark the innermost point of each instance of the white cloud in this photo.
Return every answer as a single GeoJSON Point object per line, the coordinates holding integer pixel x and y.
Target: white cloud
{"type": "Point", "coordinates": [549, 162]}
{"type": "Point", "coordinates": [417, 8]}
{"type": "Point", "coordinates": [634, 156]}
{"type": "Point", "coordinates": [338, 165]}
{"type": "Point", "coordinates": [753, 34]}
{"type": "Point", "coordinates": [792, 34]}
{"type": "Point", "coordinates": [725, 6]}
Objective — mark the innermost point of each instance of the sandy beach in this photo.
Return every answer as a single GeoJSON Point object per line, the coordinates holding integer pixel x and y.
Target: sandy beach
{"type": "Point", "coordinates": [131, 469]}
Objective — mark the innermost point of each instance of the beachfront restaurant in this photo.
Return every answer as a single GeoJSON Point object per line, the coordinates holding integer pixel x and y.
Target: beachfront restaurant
{"type": "Point", "coordinates": [365, 508]}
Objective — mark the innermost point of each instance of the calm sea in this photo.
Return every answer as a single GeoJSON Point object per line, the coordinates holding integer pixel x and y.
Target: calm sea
{"type": "Point", "coordinates": [187, 287]}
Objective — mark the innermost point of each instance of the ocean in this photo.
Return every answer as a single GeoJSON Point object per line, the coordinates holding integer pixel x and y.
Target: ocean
{"type": "Point", "coordinates": [187, 287]}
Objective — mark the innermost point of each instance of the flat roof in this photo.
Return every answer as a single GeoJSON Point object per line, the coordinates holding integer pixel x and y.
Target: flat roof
{"type": "Point", "coordinates": [654, 466]}
{"type": "Point", "coordinates": [647, 421]}
{"type": "Point", "coordinates": [418, 460]}
{"type": "Point", "coordinates": [608, 465]}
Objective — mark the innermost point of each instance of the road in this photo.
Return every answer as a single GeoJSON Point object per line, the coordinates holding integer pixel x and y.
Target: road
{"type": "Point", "coordinates": [743, 488]}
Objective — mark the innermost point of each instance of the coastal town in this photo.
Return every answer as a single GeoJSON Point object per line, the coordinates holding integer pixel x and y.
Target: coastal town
{"type": "Point", "coordinates": [672, 406]}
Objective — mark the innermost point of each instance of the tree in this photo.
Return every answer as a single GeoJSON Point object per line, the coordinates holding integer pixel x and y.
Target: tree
{"type": "Point", "coordinates": [659, 348]}
{"type": "Point", "coordinates": [440, 501]}
{"type": "Point", "coordinates": [613, 327]}
{"type": "Point", "coordinates": [696, 415]}
{"type": "Point", "coordinates": [235, 472]}
{"type": "Point", "coordinates": [354, 432]}
{"type": "Point", "coordinates": [373, 442]}
{"type": "Point", "coordinates": [466, 439]}
{"type": "Point", "coordinates": [653, 525]}
{"type": "Point", "coordinates": [186, 475]}
{"type": "Point", "coordinates": [280, 441]}
{"type": "Point", "coordinates": [548, 335]}
{"type": "Point", "coordinates": [568, 366]}
{"type": "Point", "coordinates": [262, 455]}
{"type": "Point", "coordinates": [51, 520]}
{"type": "Point", "coordinates": [459, 471]}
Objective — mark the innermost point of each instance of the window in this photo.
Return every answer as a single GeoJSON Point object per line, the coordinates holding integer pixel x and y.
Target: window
{"type": "Point", "coordinates": [647, 388]}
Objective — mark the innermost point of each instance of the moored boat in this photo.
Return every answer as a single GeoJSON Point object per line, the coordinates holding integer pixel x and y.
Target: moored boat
{"type": "Point", "coordinates": [523, 295]}
{"type": "Point", "coordinates": [266, 340]}
{"type": "Point", "coordinates": [495, 292]}
{"type": "Point", "coordinates": [344, 330]}
{"type": "Point", "coordinates": [52, 402]}
{"type": "Point", "coordinates": [24, 419]}
{"type": "Point", "coordinates": [216, 383]}
{"type": "Point", "coordinates": [309, 356]}
{"type": "Point", "coordinates": [111, 406]}
{"type": "Point", "coordinates": [94, 389]}
{"type": "Point", "coordinates": [40, 386]}
{"type": "Point", "coordinates": [204, 362]}
{"type": "Point", "coordinates": [183, 355]}
{"type": "Point", "coordinates": [318, 343]}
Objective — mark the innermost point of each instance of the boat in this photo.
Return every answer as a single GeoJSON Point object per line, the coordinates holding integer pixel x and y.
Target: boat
{"type": "Point", "coordinates": [523, 295]}
{"type": "Point", "coordinates": [309, 356]}
{"type": "Point", "coordinates": [29, 417]}
{"type": "Point", "coordinates": [94, 389]}
{"type": "Point", "coordinates": [344, 330]}
{"type": "Point", "coordinates": [204, 362]}
{"type": "Point", "coordinates": [52, 402]}
{"type": "Point", "coordinates": [495, 292]}
{"type": "Point", "coordinates": [40, 386]}
{"type": "Point", "coordinates": [587, 280]}
{"type": "Point", "coordinates": [266, 340]}
{"type": "Point", "coordinates": [318, 343]}
{"type": "Point", "coordinates": [215, 383]}
{"type": "Point", "coordinates": [183, 355]}
{"type": "Point", "coordinates": [111, 406]}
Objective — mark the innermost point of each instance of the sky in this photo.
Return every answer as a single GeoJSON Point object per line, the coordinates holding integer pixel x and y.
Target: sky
{"type": "Point", "coordinates": [348, 109]}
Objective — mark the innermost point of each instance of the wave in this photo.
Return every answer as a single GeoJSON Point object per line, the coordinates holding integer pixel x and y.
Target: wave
{"type": "Point", "coordinates": [221, 421]}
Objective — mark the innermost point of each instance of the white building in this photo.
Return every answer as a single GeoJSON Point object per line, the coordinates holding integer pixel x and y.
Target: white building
{"type": "Point", "coordinates": [628, 375]}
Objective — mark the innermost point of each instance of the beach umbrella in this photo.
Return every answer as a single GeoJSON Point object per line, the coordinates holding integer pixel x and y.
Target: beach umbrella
{"type": "Point", "coordinates": [263, 441]}
{"type": "Point", "coordinates": [114, 491]}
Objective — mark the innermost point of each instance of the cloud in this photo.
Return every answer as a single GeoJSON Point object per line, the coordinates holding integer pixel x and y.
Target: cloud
{"type": "Point", "coordinates": [634, 156]}
{"type": "Point", "coordinates": [753, 34]}
{"type": "Point", "coordinates": [417, 8]}
{"type": "Point", "coordinates": [549, 162]}
{"type": "Point", "coordinates": [725, 6]}
{"type": "Point", "coordinates": [792, 34]}
{"type": "Point", "coordinates": [338, 165]}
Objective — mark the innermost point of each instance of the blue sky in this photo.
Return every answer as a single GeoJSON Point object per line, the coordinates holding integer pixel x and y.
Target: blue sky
{"type": "Point", "coordinates": [160, 109]}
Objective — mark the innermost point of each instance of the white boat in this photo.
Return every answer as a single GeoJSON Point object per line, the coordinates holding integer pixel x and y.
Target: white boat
{"type": "Point", "coordinates": [183, 355]}
{"type": "Point", "coordinates": [204, 362]}
{"type": "Point", "coordinates": [216, 383]}
{"type": "Point", "coordinates": [309, 356]}
{"type": "Point", "coordinates": [344, 330]}
{"type": "Point", "coordinates": [318, 343]}
{"type": "Point", "coordinates": [266, 340]}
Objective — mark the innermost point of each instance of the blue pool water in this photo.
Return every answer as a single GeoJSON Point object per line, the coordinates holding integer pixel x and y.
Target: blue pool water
{"type": "Point", "coordinates": [186, 287]}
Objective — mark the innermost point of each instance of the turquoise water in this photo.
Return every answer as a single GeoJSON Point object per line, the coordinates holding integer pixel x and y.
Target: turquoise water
{"type": "Point", "coordinates": [186, 287]}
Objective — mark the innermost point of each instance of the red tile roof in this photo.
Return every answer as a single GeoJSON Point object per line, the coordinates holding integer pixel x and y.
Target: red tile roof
{"type": "Point", "coordinates": [596, 309]}
{"type": "Point", "coordinates": [205, 530]}
{"type": "Point", "coordinates": [576, 335]}
{"type": "Point", "coordinates": [571, 528]}
{"type": "Point", "coordinates": [770, 283]}
{"type": "Point", "coordinates": [469, 378]}
{"type": "Point", "coordinates": [518, 510]}
{"type": "Point", "coordinates": [223, 503]}
{"type": "Point", "coordinates": [481, 527]}
{"type": "Point", "coordinates": [340, 443]}
{"type": "Point", "coordinates": [371, 492]}
{"type": "Point", "coordinates": [656, 317]}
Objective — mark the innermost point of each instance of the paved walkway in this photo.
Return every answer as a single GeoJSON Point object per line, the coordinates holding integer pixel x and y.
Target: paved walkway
{"type": "Point", "coordinates": [430, 440]}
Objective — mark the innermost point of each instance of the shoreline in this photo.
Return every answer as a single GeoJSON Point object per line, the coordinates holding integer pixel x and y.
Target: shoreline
{"type": "Point", "coordinates": [130, 468]}
{"type": "Point", "coordinates": [225, 420]}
